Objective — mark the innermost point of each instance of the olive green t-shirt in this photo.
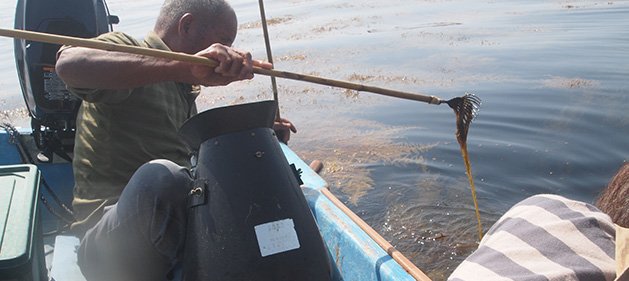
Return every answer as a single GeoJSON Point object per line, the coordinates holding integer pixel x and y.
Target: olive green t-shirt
{"type": "Point", "coordinates": [119, 130]}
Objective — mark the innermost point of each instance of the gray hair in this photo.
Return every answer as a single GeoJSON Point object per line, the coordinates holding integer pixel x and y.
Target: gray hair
{"type": "Point", "coordinates": [173, 10]}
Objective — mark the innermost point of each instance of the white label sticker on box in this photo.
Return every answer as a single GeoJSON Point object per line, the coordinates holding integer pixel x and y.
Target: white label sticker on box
{"type": "Point", "coordinates": [276, 237]}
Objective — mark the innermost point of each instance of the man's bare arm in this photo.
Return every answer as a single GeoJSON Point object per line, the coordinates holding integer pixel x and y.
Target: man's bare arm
{"type": "Point", "coordinates": [96, 69]}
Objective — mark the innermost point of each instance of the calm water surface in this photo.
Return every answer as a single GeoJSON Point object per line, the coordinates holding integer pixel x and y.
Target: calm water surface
{"type": "Point", "coordinates": [553, 77]}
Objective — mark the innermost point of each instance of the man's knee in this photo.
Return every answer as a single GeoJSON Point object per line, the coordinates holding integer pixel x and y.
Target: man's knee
{"type": "Point", "coordinates": [161, 179]}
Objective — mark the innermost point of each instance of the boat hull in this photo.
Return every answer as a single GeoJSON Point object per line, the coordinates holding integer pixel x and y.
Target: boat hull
{"type": "Point", "coordinates": [353, 253]}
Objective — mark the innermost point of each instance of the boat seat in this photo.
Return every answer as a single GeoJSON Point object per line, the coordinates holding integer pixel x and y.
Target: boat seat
{"type": "Point", "coordinates": [64, 266]}
{"type": "Point", "coordinates": [64, 261]}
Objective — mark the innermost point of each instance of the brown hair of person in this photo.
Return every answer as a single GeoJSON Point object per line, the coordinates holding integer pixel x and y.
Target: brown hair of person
{"type": "Point", "coordinates": [614, 200]}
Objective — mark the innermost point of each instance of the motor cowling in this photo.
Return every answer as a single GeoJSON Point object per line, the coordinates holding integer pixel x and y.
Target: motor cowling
{"type": "Point", "coordinates": [52, 107]}
{"type": "Point", "coordinates": [249, 219]}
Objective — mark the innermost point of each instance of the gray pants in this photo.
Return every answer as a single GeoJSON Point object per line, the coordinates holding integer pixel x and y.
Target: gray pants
{"type": "Point", "coordinates": [142, 237]}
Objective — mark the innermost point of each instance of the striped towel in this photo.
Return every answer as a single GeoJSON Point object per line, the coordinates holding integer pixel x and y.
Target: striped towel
{"type": "Point", "coordinates": [545, 237]}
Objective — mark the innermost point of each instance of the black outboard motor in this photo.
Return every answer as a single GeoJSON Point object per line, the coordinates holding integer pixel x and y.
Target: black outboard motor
{"type": "Point", "coordinates": [52, 108]}
{"type": "Point", "coordinates": [249, 219]}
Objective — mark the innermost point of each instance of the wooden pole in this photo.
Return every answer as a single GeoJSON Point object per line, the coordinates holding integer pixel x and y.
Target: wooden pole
{"type": "Point", "coordinates": [269, 56]}
{"type": "Point", "coordinates": [96, 44]}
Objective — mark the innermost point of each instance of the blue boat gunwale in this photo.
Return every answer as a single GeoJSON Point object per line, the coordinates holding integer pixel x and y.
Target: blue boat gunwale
{"type": "Point", "coordinates": [350, 247]}
{"type": "Point", "coordinates": [353, 253]}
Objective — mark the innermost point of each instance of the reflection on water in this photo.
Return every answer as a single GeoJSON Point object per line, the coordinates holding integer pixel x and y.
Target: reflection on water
{"type": "Point", "coordinates": [552, 76]}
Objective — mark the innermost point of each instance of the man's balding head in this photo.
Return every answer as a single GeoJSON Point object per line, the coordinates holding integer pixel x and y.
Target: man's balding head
{"type": "Point", "coordinates": [214, 22]}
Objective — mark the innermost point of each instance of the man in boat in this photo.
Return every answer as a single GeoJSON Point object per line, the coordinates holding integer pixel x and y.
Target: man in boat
{"type": "Point", "coordinates": [132, 108]}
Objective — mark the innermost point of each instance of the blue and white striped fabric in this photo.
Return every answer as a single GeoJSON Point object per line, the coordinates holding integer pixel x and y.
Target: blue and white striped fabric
{"type": "Point", "coordinates": [545, 237]}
